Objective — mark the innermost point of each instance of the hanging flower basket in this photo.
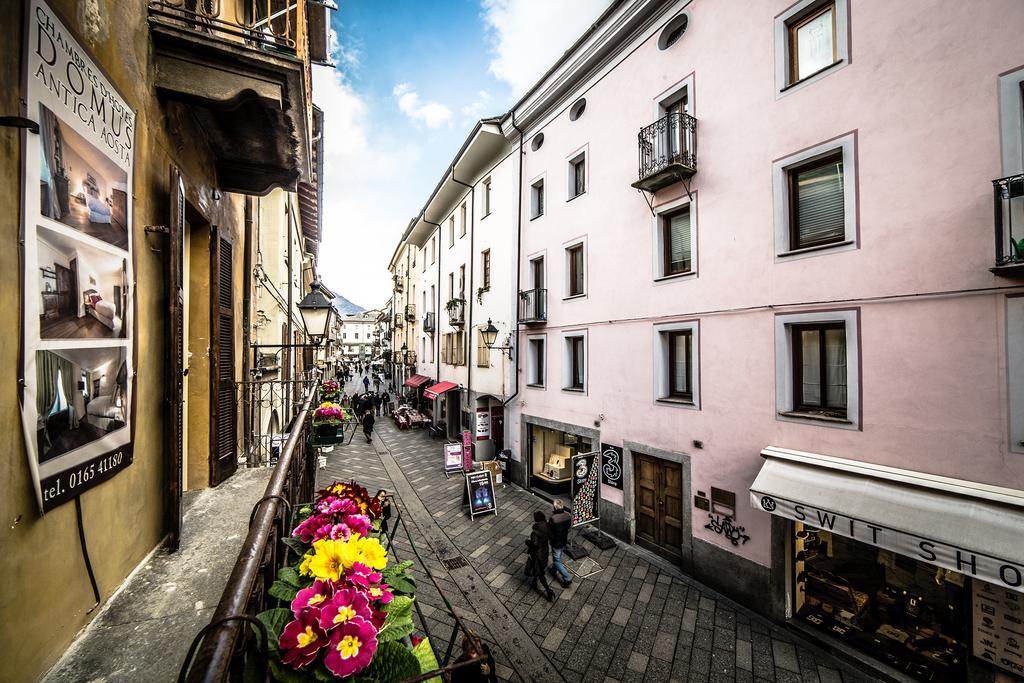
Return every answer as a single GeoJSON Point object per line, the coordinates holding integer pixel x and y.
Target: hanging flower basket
{"type": "Point", "coordinates": [349, 609]}
{"type": "Point", "coordinates": [330, 391]}
{"type": "Point", "coordinates": [329, 423]}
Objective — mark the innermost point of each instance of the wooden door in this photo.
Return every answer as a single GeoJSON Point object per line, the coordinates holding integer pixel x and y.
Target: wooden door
{"type": "Point", "coordinates": [67, 306]}
{"type": "Point", "coordinates": [223, 418]}
{"type": "Point", "coordinates": [658, 504]}
{"type": "Point", "coordinates": [174, 398]}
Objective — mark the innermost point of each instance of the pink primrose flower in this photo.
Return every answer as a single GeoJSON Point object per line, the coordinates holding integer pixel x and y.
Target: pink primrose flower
{"type": "Point", "coordinates": [302, 639]}
{"type": "Point", "coordinates": [345, 605]}
{"type": "Point", "coordinates": [351, 648]}
{"type": "Point", "coordinates": [313, 597]}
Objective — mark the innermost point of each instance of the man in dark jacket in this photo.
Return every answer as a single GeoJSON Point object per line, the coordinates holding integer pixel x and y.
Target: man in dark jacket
{"type": "Point", "coordinates": [537, 554]}
{"type": "Point", "coordinates": [368, 425]}
{"type": "Point", "coordinates": [561, 522]}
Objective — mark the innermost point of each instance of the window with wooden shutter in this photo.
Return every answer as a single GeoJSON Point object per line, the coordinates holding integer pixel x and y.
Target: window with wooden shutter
{"type": "Point", "coordinates": [676, 243]}
{"type": "Point", "coordinates": [223, 402]}
{"type": "Point", "coordinates": [816, 210]}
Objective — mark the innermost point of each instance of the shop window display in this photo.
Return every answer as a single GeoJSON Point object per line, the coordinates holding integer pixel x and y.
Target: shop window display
{"type": "Point", "coordinates": [911, 615]}
{"type": "Point", "coordinates": [552, 453]}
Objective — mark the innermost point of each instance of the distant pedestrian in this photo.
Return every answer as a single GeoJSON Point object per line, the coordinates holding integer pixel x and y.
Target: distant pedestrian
{"type": "Point", "coordinates": [561, 522]}
{"type": "Point", "coordinates": [537, 554]}
{"type": "Point", "coordinates": [385, 509]}
{"type": "Point", "coordinates": [377, 402]}
{"type": "Point", "coordinates": [376, 383]}
{"type": "Point", "coordinates": [366, 383]}
{"type": "Point", "coordinates": [385, 402]}
{"type": "Point", "coordinates": [480, 672]}
{"type": "Point", "coordinates": [368, 425]}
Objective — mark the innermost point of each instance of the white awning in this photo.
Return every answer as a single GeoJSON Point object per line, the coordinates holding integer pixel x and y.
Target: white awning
{"type": "Point", "coordinates": [972, 528]}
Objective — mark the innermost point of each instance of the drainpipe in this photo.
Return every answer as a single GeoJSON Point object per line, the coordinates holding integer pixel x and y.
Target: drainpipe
{"type": "Point", "coordinates": [472, 261]}
{"type": "Point", "coordinates": [247, 336]}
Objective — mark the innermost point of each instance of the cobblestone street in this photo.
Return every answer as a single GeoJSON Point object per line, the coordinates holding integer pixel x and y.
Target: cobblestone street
{"type": "Point", "coordinates": [638, 619]}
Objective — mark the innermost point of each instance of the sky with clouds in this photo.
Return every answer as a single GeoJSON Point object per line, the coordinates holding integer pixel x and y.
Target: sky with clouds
{"type": "Point", "coordinates": [411, 79]}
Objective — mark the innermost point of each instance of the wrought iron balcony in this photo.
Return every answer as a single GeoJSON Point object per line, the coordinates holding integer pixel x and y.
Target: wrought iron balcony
{"type": "Point", "coordinates": [456, 312]}
{"type": "Point", "coordinates": [1008, 198]}
{"type": "Point", "coordinates": [430, 322]}
{"type": "Point", "coordinates": [533, 306]}
{"type": "Point", "coordinates": [410, 312]}
{"type": "Point", "coordinates": [668, 152]}
{"type": "Point", "coordinates": [410, 358]}
{"type": "Point", "coordinates": [239, 67]}
{"type": "Point", "coordinates": [399, 322]}
{"type": "Point", "coordinates": [398, 283]}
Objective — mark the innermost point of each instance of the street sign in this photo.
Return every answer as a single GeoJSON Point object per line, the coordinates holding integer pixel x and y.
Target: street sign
{"type": "Point", "coordinates": [452, 457]}
{"type": "Point", "coordinates": [586, 478]}
{"type": "Point", "coordinates": [479, 493]}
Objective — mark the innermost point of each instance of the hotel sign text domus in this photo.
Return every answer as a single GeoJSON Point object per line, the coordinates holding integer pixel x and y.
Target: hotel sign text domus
{"type": "Point", "coordinates": [998, 571]}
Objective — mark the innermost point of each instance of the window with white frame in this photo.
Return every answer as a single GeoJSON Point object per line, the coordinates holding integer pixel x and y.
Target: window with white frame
{"type": "Point", "coordinates": [574, 361]}
{"type": "Point", "coordinates": [675, 239]}
{"type": "Point", "coordinates": [536, 357]}
{"type": "Point", "coordinates": [815, 196]}
{"type": "Point", "coordinates": [811, 41]}
{"type": "Point", "coordinates": [451, 230]}
{"type": "Point", "coordinates": [462, 220]}
{"type": "Point", "coordinates": [676, 371]}
{"type": "Point", "coordinates": [433, 249]}
{"type": "Point", "coordinates": [537, 199]}
{"type": "Point", "coordinates": [817, 366]}
{"type": "Point", "coordinates": [487, 198]}
{"type": "Point", "coordinates": [577, 175]}
{"type": "Point", "coordinates": [575, 270]}
{"type": "Point", "coordinates": [424, 259]}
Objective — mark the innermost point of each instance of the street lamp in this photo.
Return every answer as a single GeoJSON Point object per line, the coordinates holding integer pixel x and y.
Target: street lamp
{"type": "Point", "coordinates": [316, 311]}
{"type": "Point", "coordinates": [490, 335]}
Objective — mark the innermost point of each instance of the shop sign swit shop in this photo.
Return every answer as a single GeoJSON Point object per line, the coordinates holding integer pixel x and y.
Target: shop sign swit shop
{"type": "Point", "coordinates": [959, 559]}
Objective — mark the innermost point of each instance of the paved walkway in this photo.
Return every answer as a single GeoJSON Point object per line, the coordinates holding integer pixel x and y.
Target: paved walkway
{"type": "Point", "coordinates": [143, 632]}
{"type": "Point", "coordinates": [638, 619]}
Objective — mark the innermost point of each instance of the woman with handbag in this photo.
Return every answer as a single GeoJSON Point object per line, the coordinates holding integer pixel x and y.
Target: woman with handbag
{"type": "Point", "coordinates": [537, 547]}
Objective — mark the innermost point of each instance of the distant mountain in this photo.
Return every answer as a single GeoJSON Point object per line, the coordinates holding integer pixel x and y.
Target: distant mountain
{"type": "Point", "coordinates": [346, 307]}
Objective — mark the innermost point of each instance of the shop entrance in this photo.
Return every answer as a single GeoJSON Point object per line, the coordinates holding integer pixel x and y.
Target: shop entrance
{"type": "Point", "coordinates": [550, 454]}
{"type": "Point", "coordinates": [658, 503]}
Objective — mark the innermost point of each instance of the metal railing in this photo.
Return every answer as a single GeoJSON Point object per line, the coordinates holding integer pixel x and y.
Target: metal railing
{"type": "Point", "coordinates": [1008, 199]}
{"type": "Point", "coordinates": [533, 305]}
{"type": "Point", "coordinates": [456, 311]}
{"type": "Point", "coordinates": [263, 553]}
{"type": "Point", "coordinates": [270, 404]}
{"type": "Point", "coordinates": [264, 24]}
{"type": "Point", "coordinates": [430, 322]}
{"type": "Point", "coordinates": [672, 139]}
{"type": "Point", "coordinates": [410, 312]}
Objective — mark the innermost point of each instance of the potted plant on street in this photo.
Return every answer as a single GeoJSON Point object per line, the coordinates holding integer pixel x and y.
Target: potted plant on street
{"type": "Point", "coordinates": [330, 391]}
{"type": "Point", "coordinates": [329, 421]}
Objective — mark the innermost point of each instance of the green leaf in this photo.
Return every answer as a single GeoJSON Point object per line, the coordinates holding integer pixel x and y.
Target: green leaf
{"type": "Point", "coordinates": [290, 576]}
{"type": "Point", "coordinates": [401, 606]}
{"type": "Point", "coordinates": [403, 585]}
{"type": "Point", "coordinates": [392, 662]}
{"type": "Point", "coordinates": [283, 591]}
{"type": "Point", "coordinates": [275, 620]}
{"type": "Point", "coordinates": [396, 569]}
{"type": "Point", "coordinates": [285, 674]}
{"type": "Point", "coordinates": [296, 546]}
{"type": "Point", "coordinates": [427, 659]}
{"type": "Point", "coordinates": [395, 629]}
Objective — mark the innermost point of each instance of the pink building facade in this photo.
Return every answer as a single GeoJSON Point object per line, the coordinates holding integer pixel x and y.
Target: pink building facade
{"type": "Point", "coordinates": [794, 305]}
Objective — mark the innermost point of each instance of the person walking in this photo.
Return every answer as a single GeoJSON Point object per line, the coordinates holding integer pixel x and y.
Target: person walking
{"type": "Point", "coordinates": [368, 425]}
{"type": "Point", "coordinates": [561, 522]}
{"type": "Point", "coordinates": [385, 402]}
{"type": "Point", "coordinates": [366, 383]}
{"type": "Point", "coordinates": [385, 509]}
{"type": "Point", "coordinates": [377, 404]}
{"type": "Point", "coordinates": [537, 554]}
{"type": "Point", "coordinates": [376, 383]}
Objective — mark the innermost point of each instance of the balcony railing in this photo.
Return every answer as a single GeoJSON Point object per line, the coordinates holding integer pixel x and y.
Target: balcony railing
{"type": "Point", "coordinates": [410, 358]}
{"type": "Point", "coordinates": [399, 323]}
{"type": "Point", "coordinates": [456, 312]}
{"type": "Point", "coordinates": [263, 24]}
{"type": "Point", "coordinates": [533, 306]}
{"type": "Point", "coordinates": [410, 312]}
{"type": "Point", "coordinates": [668, 151]}
{"type": "Point", "coordinates": [430, 322]}
{"type": "Point", "coordinates": [1008, 198]}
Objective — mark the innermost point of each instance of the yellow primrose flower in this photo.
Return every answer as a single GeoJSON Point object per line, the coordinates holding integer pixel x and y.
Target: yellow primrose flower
{"type": "Point", "coordinates": [372, 554]}
{"type": "Point", "coordinates": [332, 558]}
{"type": "Point", "coordinates": [304, 567]}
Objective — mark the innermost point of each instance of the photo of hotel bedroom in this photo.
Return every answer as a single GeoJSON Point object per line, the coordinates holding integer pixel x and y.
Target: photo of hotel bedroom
{"type": "Point", "coordinates": [81, 395]}
{"type": "Point", "coordinates": [83, 291]}
{"type": "Point", "coordinates": [79, 185]}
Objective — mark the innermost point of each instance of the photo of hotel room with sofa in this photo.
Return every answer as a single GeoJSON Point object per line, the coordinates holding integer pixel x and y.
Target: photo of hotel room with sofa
{"type": "Point", "coordinates": [83, 291]}
{"type": "Point", "coordinates": [79, 185]}
{"type": "Point", "coordinates": [81, 395]}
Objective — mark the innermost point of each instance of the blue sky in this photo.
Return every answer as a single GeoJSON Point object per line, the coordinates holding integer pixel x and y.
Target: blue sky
{"type": "Point", "coordinates": [411, 79]}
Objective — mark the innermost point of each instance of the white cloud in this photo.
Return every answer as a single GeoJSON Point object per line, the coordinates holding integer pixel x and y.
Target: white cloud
{"type": "Point", "coordinates": [431, 114]}
{"type": "Point", "coordinates": [528, 36]}
{"type": "Point", "coordinates": [364, 204]}
{"type": "Point", "coordinates": [478, 108]}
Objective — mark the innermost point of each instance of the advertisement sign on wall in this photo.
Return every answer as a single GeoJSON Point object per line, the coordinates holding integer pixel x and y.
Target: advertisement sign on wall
{"type": "Point", "coordinates": [998, 631]}
{"type": "Point", "coordinates": [467, 450]}
{"type": "Point", "coordinates": [77, 397]}
{"type": "Point", "coordinates": [585, 482]}
{"type": "Point", "coordinates": [611, 465]}
{"type": "Point", "coordinates": [483, 424]}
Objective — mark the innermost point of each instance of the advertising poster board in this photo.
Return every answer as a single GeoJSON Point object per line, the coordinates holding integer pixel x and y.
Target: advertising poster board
{"type": "Point", "coordinates": [452, 457]}
{"type": "Point", "coordinates": [611, 465]}
{"type": "Point", "coordinates": [483, 424]}
{"type": "Point", "coordinates": [586, 478]}
{"type": "Point", "coordinates": [467, 450]}
{"type": "Point", "coordinates": [480, 493]}
{"type": "Point", "coordinates": [78, 311]}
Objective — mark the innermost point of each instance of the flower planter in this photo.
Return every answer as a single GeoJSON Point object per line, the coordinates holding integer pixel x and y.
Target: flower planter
{"type": "Point", "coordinates": [327, 434]}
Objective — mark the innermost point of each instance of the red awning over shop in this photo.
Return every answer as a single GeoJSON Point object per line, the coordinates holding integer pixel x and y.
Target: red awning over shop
{"type": "Point", "coordinates": [439, 388]}
{"type": "Point", "coordinates": [417, 381]}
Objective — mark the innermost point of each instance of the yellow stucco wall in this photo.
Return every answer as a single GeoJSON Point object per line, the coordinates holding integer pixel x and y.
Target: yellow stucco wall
{"type": "Point", "coordinates": [44, 592]}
